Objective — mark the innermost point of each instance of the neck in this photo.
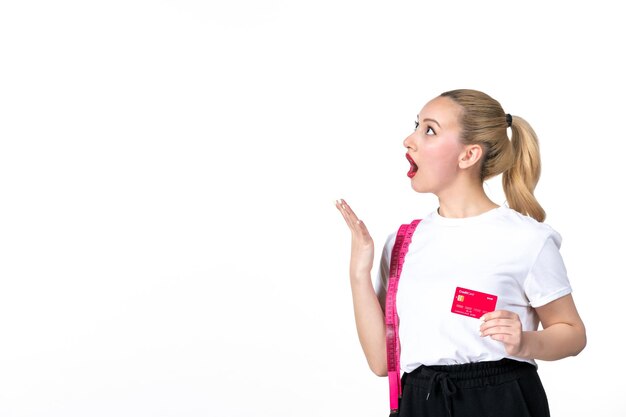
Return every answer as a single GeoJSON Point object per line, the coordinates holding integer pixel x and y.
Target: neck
{"type": "Point", "coordinates": [464, 200]}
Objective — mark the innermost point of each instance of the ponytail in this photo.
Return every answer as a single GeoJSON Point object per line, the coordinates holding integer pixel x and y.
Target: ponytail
{"type": "Point", "coordinates": [520, 180]}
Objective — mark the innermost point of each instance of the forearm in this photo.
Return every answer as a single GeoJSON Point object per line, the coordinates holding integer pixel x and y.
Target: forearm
{"type": "Point", "coordinates": [558, 341]}
{"type": "Point", "coordinates": [370, 323]}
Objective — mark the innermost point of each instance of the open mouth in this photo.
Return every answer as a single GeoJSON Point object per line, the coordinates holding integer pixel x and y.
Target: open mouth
{"type": "Point", "coordinates": [413, 169]}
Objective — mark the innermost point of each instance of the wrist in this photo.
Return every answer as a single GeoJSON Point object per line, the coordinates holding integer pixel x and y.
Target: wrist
{"type": "Point", "coordinates": [528, 345]}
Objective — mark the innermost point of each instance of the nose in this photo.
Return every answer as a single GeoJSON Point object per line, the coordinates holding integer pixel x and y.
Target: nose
{"type": "Point", "coordinates": [409, 142]}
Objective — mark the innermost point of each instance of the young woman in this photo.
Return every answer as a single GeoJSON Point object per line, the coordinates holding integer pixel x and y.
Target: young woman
{"type": "Point", "coordinates": [455, 364]}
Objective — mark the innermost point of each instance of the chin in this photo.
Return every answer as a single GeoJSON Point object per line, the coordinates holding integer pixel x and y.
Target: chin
{"type": "Point", "coordinates": [417, 187]}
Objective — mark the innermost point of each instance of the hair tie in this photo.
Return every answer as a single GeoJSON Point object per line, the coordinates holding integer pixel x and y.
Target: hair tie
{"type": "Point", "coordinates": [509, 119]}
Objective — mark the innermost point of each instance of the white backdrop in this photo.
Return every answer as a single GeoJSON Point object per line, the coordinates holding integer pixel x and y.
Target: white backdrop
{"type": "Point", "coordinates": [169, 244]}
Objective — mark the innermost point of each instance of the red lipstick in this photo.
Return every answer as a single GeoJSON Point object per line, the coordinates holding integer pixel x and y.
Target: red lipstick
{"type": "Point", "coordinates": [413, 169]}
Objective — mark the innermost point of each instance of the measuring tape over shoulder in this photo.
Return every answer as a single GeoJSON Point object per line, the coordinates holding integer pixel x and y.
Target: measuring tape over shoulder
{"type": "Point", "coordinates": [400, 249]}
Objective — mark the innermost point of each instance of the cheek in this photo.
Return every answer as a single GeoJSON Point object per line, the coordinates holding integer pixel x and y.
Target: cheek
{"type": "Point", "coordinates": [443, 158]}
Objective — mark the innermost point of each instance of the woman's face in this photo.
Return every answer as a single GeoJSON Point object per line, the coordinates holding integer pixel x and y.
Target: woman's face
{"type": "Point", "coordinates": [434, 149]}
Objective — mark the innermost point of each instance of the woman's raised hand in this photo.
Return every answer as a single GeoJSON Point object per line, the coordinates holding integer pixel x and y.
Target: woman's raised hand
{"type": "Point", "coordinates": [362, 253]}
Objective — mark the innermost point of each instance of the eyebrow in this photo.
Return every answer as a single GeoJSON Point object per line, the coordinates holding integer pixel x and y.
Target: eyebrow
{"type": "Point", "coordinates": [434, 121]}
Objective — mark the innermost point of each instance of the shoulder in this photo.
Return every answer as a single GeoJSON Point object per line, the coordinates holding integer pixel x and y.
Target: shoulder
{"type": "Point", "coordinates": [392, 236]}
{"type": "Point", "coordinates": [525, 227]}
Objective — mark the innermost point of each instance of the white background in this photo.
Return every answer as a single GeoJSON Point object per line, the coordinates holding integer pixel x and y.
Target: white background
{"type": "Point", "coordinates": [169, 244]}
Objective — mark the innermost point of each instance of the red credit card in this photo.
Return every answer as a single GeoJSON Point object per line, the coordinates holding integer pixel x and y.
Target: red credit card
{"type": "Point", "coordinates": [473, 303]}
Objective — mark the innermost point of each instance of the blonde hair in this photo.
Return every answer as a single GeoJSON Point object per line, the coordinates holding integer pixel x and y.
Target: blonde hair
{"type": "Point", "coordinates": [483, 122]}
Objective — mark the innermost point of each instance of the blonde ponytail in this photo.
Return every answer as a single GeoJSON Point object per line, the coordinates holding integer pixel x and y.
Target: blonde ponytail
{"type": "Point", "coordinates": [520, 180]}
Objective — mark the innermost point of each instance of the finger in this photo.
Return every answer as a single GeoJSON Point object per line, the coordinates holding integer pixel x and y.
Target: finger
{"type": "Point", "coordinates": [350, 219]}
{"type": "Point", "coordinates": [497, 329]}
{"type": "Point", "coordinates": [341, 206]}
{"type": "Point", "coordinates": [497, 322]}
{"type": "Point", "coordinates": [346, 207]}
{"type": "Point", "coordinates": [511, 343]}
{"type": "Point", "coordinates": [497, 314]}
{"type": "Point", "coordinates": [502, 338]}
{"type": "Point", "coordinates": [506, 327]}
{"type": "Point", "coordinates": [513, 323]}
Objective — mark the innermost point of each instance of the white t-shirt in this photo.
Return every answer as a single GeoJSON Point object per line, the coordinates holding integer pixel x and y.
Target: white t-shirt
{"type": "Point", "coordinates": [500, 252]}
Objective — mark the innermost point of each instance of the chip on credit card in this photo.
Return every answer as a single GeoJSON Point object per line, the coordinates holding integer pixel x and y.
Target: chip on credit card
{"type": "Point", "coordinates": [473, 303]}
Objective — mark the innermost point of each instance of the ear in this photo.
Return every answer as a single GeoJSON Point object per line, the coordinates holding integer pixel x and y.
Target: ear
{"type": "Point", "coordinates": [470, 156]}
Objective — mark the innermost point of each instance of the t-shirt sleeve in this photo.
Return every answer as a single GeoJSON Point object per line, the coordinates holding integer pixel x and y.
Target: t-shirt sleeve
{"type": "Point", "coordinates": [547, 279]}
{"type": "Point", "coordinates": [382, 278]}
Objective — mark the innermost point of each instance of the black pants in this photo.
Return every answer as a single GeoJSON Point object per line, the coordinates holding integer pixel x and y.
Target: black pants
{"type": "Point", "coordinates": [504, 388]}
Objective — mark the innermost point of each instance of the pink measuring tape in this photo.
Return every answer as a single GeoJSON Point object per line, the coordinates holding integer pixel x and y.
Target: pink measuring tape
{"type": "Point", "coordinates": [400, 248]}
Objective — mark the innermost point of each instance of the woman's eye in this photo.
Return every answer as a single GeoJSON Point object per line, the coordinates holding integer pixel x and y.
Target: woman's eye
{"type": "Point", "coordinates": [417, 124]}
{"type": "Point", "coordinates": [430, 131]}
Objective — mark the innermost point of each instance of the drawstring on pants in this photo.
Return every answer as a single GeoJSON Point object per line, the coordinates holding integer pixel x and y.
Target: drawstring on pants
{"type": "Point", "coordinates": [448, 388]}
